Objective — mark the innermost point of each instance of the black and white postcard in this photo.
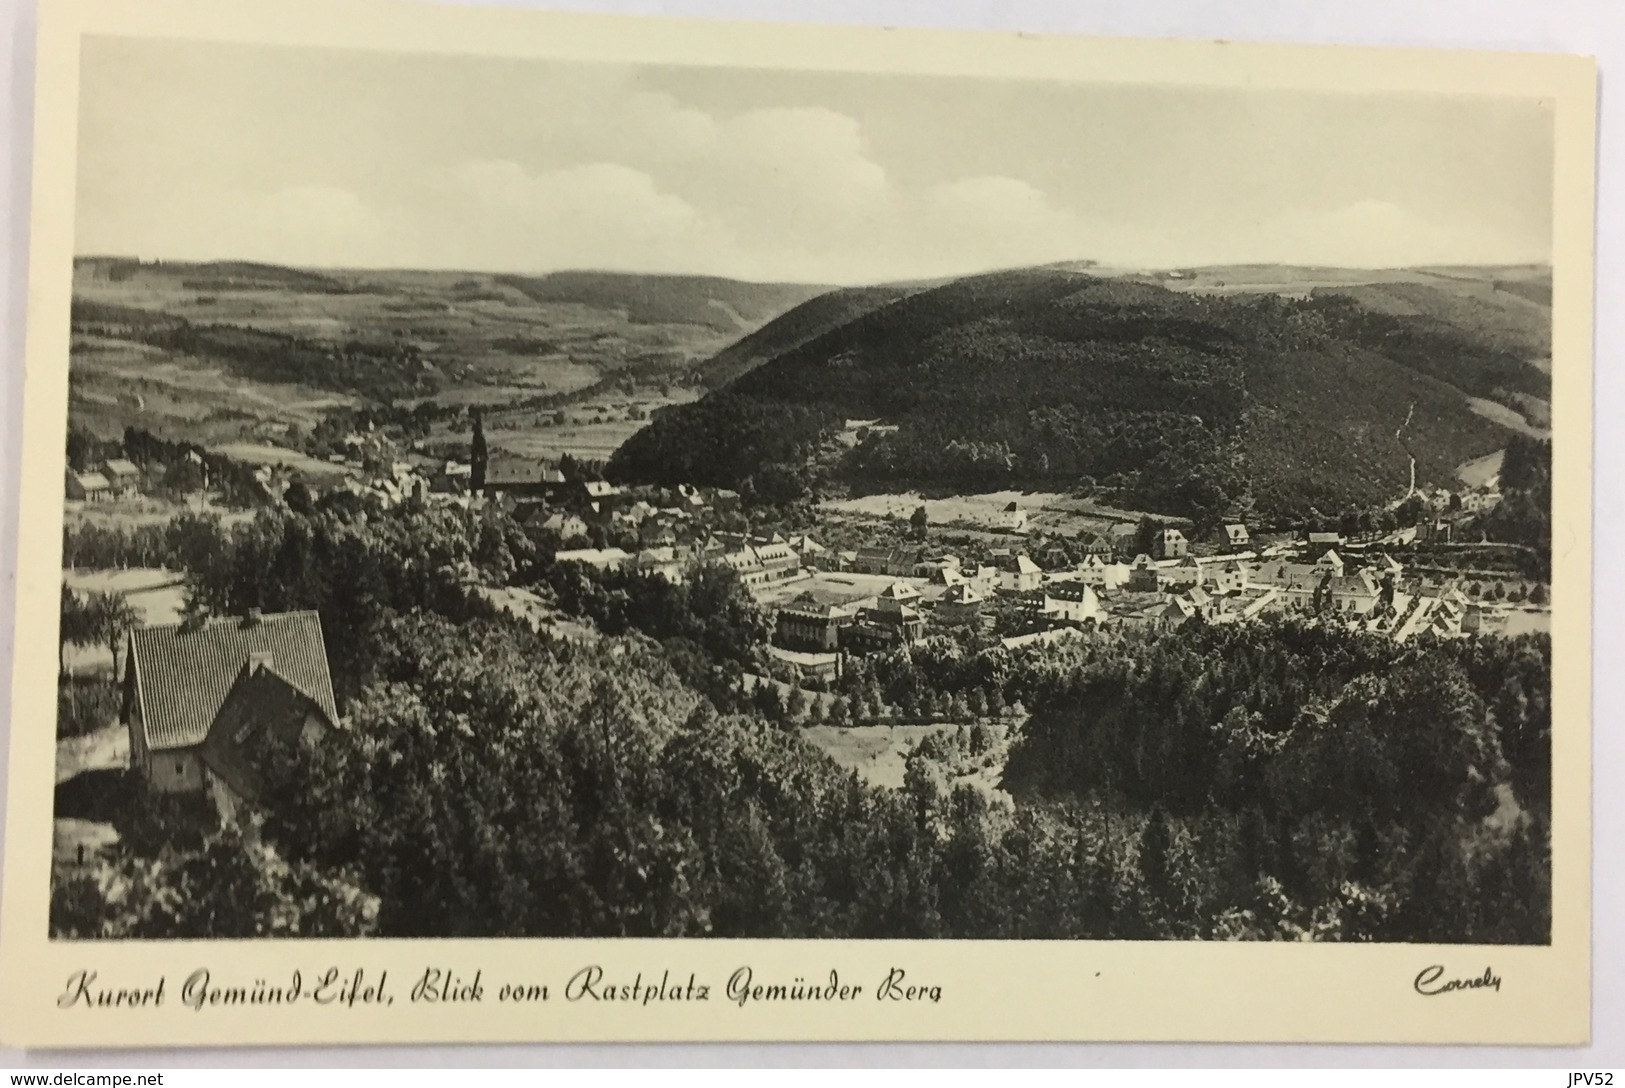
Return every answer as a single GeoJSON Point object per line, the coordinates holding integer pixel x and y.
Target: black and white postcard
{"type": "Point", "coordinates": [560, 527]}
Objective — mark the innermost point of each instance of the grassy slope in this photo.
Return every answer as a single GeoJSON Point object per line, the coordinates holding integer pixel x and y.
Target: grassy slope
{"type": "Point", "coordinates": [727, 306]}
{"type": "Point", "coordinates": [490, 340]}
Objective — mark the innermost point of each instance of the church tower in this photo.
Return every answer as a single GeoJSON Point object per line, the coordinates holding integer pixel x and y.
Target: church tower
{"type": "Point", "coordinates": [477, 457]}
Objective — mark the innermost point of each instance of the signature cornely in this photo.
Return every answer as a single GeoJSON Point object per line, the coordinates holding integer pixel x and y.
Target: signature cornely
{"type": "Point", "coordinates": [1430, 982]}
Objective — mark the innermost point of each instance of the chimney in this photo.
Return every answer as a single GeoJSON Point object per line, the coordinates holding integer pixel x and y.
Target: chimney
{"type": "Point", "coordinates": [252, 617]}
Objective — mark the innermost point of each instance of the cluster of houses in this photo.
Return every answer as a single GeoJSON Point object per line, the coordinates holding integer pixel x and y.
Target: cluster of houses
{"type": "Point", "coordinates": [1371, 593]}
{"type": "Point", "coordinates": [115, 478]}
{"type": "Point", "coordinates": [759, 561]}
{"type": "Point", "coordinates": [657, 518]}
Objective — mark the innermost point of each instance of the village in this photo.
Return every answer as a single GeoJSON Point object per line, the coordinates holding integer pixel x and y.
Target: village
{"type": "Point", "coordinates": [828, 603]}
{"type": "Point", "coordinates": [209, 693]}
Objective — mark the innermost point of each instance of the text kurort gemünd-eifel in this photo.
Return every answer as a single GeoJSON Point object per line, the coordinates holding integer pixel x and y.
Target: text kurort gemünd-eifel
{"type": "Point", "coordinates": [203, 990]}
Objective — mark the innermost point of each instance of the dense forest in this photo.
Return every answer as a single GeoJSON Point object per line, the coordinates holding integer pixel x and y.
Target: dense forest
{"type": "Point", "coordinates": [1524, 514]}
{"type": "Point", "coordinates": [1280, 781]}
{"type": "Point", "coordinates": [1181, 403]}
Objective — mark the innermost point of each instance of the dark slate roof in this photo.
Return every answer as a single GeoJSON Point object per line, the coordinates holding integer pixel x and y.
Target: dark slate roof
{"type": "Point", "coordinates": [183, 674]}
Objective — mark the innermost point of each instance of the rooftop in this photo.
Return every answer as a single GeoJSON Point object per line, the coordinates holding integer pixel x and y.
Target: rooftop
{"type": "Point", "coordinates": [183, 672]}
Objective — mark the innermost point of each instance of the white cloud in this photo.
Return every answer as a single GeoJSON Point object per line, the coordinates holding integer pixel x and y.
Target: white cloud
{"type": "Point", "coordinates": [596, 215]}
{"type": "Point", "coordinates": [323, 222]}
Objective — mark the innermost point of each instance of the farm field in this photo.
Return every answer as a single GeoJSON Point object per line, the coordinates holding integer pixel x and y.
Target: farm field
{"type": "Point", "coordinates": [1500, 413]}
{"type": "Point", "coordinates": [118, 383]}
{"type": "Point", "coordinates": [146, 510]}
{"type": "Point", "coordinates": [1525, 621]}
{"type": "Point", "coordinates": [1046, 510]}
{"type": "Point", "coordinates": [522, 442]}
{"type": "Point", "coordinates": [467, 338]}
{"type": "Point", "coordinates": [254, 453]}
{"type": "Point", "coordinates": [1481, 471]}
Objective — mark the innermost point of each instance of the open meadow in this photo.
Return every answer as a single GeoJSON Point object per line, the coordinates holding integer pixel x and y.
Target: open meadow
{"type": "Point", "coordinates": [1047, 511]}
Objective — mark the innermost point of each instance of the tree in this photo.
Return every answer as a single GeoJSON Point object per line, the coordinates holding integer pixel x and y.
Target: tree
{"type": "Point", "coordinates": [919, 521]}
{"type": "Point", "coordinates": [77, 626]}
{"type": "Point", "coordinates": [111, 617]}
{"type": "Point", "coordinates": [183, 477]}
{"type": "Point", "coordinates": [1537, 594]}
{"type": "Point", "coordinates": [298, 498]}
{"type": "Point", "coordinates": [225, 888]}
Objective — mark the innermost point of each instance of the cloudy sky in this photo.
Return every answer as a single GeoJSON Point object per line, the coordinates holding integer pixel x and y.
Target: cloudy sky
{"type": "Point", "coordinates": [352, 159]}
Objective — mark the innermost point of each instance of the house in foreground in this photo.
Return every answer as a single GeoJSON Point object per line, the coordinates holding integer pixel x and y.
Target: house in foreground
{"type": "Point", "coordinates": [202, 701]}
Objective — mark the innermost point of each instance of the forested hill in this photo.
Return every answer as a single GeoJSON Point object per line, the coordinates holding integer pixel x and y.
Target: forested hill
{"type": "Point", "coordinates": [805, 322]}
{"type": "Point", "coordinates": [1176, 401]}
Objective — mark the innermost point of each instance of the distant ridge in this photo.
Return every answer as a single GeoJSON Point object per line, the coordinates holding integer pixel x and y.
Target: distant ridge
{"type": "Point", "coordinates": [1282, 392]}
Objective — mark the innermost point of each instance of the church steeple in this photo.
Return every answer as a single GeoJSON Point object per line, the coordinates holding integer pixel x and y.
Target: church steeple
{"type": "Point", "coordinates": [477, 456]}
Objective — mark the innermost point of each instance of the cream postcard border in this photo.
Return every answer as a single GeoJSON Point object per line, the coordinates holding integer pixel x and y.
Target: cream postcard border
{"type": "Point", "coordinates": [991, 990]}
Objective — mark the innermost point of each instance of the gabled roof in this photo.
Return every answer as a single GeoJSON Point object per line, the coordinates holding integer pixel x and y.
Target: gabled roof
{"type": "Point", "coordinates": [899, 591]}
{"type": "Point", "coordinates": [183, 674]}
{"type": "Point", "coordinates": [962, 594]}
{"type": "Point", "coordinates": [121, 467]}
{"type": "Point", "coordinates": [560, 518]}
{"type": "Point", "coordinates": [92, 481]}
{"type": "Point", "coordinates": [1018, 564]}
{"type": "Point", "coordinates": [775, 551]}
{"type": "Point", "coordinates": [262, 702]}
{"type": "Point", "coordinates": [804, 605]}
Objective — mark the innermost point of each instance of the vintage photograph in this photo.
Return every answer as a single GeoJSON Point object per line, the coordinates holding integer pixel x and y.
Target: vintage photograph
{"type": "Point", "coordinates": [525, 497]}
